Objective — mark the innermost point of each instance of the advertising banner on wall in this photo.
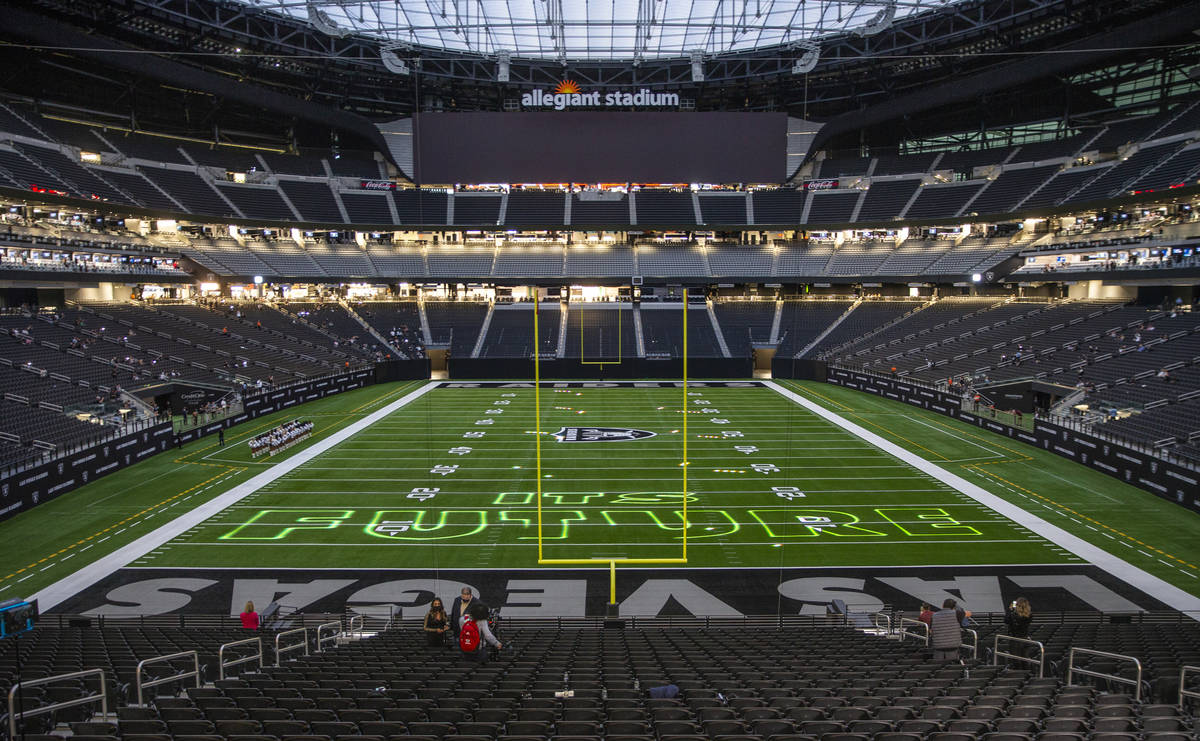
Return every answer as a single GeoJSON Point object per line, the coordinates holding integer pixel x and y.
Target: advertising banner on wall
{"type": "Point", "coordinates": [29, 488]}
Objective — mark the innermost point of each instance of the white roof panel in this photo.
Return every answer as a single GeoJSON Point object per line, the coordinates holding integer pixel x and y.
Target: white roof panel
{"type": "Point", "coordinates": [598, 29]}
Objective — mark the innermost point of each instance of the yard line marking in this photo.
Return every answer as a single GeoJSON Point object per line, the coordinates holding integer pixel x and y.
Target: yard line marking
{"type": "Point", "coordinates": [1154, 586]}
{"type": "Point", "coordinates": [941, 429]}
{"type": "Point", "coordinates": [1033, 496]}
{"type": "Point", "coordinates": [501, 507]}
{"type": "Point", "coordinates": [99, 569]}
{"type": "Point", "coordinates": [607, 544]}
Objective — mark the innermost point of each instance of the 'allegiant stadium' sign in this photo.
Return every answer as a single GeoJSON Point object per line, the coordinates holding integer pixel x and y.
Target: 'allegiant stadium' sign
{"type": "Point", "coordinates": [567, 95]}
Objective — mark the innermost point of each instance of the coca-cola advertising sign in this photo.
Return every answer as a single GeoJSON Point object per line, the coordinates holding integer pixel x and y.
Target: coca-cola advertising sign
{"type": "Point", "coordinates": [377, 185]}
{"type": "Point", "coordinates": [826, 184]}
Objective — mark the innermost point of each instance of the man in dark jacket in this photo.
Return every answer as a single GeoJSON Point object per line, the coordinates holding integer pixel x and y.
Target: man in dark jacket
{"type": "Point", "coordinates": [459, 608]}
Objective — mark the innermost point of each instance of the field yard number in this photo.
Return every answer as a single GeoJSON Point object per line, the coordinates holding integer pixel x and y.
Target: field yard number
{"type": "Point", "coordinates": [444, 469]}
{"type": "Point", "coordinates": [747, 449]}
{"type": "Point", "coordinates": [393, 527]}
{"type": "Point", "coordinates": [765, 468]}
{"type": "Point", "coordinates": [485, 421]}
{"type": "Point", "coordinates": [508, 394]}
{"type": "Point", "coordinates": [731, 433]}
{"type": "Point", "coordinates": [719, 421]}
{"type": "Point", "coordinates": [502, 402]}
{"type": "Point", "coordinates": [494, 411]}
{"type": "Point", "coordinates": [423, 494]}
{"type": "Point", "coordinates": [788, 492]}
{"type": "Point", "coordinates": [710, 411]}
{"type": "Point", "coordinates": [459, 450]}
{"type": "Point", "coordinates": [475, 433]}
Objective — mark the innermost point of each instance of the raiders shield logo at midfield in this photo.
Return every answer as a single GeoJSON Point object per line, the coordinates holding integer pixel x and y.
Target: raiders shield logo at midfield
{"type": "Point", "coordinates": [600, 434]}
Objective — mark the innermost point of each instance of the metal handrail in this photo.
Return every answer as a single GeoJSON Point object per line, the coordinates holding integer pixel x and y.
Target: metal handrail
{"type": "Point", "coordinates": [1182, 691]}
{"type": "Point", "coordinates": [194, 673]}
{"type": "Point", "coordinates": [355, 624]}
{"type": "Point", "coordinates": [887, 618]}
{"type": "Point", "coordinates": [973, 646]}
{"type": "Point", "coordinates": [330, 638]}
{"type": "Point", "coordinates": [223, 665]}
{"type": "Point", "coordinates": [595, 622]}
{"type": "Point", "coordinates": [906, 633]}
{"type": "Point", "coordinates": [1040, 661]}
{"type": "Point", "coordinates": [14, 715]}
{"type": "Point", "coordinates": [279, 652]}
{"type": "Point", "coordinates": [1072, 670]}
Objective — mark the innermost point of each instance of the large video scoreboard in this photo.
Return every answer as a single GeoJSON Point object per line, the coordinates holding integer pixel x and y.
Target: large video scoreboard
{"type": "Point", "coordinates": [600, 147]}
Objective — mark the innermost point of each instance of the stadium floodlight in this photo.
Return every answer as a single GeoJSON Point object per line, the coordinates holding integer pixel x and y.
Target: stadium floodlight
{"type": "Point", "coordinates": [697, 57]}
{"type": "Point", "coordinates": [392, 61]}
{"type": "Point", "coordinates": [808, 59]}
{"type": "Point", "coordinates": [503, 60]}
{"type": "Point", "coordinates": [324, 23]}
{"type": "Point", "coordinates": [881, 22]}
{"type": "Point", "coordinates": [976, 278]}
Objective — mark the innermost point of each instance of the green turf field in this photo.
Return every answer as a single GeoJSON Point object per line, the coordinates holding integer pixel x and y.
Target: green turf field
{"type": "Point", "coordinates": [450, 481]}
{"type": "Point", "coordinates": [364, 491]}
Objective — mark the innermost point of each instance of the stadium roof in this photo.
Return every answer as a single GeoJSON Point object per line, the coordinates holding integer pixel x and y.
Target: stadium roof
{"type": "Point", "coordinates": [598, 29]}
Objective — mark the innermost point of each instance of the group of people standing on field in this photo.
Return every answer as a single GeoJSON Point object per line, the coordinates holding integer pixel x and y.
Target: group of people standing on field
{"type": "Point", "coordinates": [280, 438]}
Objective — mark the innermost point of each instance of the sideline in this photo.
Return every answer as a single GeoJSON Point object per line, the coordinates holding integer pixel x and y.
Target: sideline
{"type": "Point", "coordinates": [1155, 587]}
{"type": "Point", "coordinates": [88, 576]}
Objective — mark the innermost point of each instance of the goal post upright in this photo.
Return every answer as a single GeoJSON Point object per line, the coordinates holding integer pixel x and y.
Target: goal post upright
{"type": "Point", "coordinates": [537, 417]}
{"type": "Point", "coordinates": [684, 464]}
{"type": "Point", "coordinates": [608, 561]}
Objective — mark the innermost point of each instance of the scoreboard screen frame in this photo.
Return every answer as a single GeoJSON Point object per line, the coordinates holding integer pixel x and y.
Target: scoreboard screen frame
{"type": "Point", "coordinates": [599, 147]}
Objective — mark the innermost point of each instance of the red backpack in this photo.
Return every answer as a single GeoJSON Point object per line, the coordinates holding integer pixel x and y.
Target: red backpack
{"type": "Point", "coordinates": [468, 637]}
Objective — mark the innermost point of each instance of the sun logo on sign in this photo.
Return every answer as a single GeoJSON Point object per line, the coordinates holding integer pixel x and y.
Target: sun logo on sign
{"type": "Point", "coordinates": [566, 87]}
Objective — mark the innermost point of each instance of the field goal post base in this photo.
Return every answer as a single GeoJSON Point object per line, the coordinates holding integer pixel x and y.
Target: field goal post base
{"type": "Point", "coordinates": [537, 394]}
{"type": "Point", "coordinates": [612, 567]}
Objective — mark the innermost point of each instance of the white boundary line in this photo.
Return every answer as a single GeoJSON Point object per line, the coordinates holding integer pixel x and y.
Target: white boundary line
{"type": "Point", "coordinates": [92, 573]}
{"type": "Point", "coordinates": [1166, 593]}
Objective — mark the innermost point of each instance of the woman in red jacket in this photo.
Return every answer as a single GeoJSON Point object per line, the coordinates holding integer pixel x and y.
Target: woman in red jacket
{"type": "Point", "coordinates": [249, 617]}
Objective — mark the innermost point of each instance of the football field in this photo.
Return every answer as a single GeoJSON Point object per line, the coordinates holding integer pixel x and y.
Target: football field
{"type": "Point", "coordinates": [451, 480]}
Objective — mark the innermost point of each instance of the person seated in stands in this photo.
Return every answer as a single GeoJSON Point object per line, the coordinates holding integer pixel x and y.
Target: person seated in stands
{"type": "Point", "coordinates": [926, 615]}
{"type": "Point", "coordinates": [437, 623]}
{"type": "Point", "coordinates": [249, 617]}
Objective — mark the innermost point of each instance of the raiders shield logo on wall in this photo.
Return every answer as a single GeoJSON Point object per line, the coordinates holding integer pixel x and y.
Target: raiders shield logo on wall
{"type": "Point", "coordinates": [600, 434]}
